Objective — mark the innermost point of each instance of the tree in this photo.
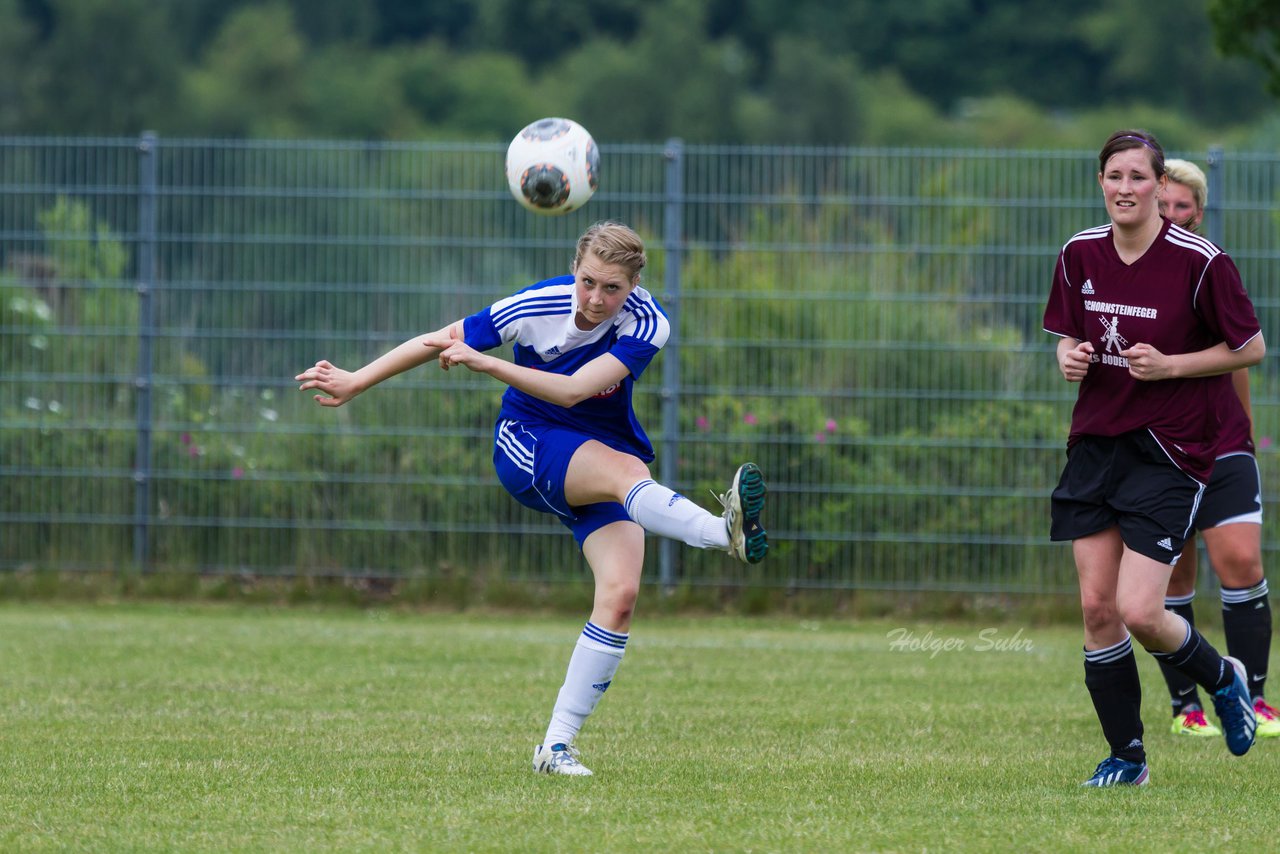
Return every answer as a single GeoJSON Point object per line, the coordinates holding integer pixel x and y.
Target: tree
{"type": "Point", "coordinates": [541, 32]}
{"type": "Point", "coordinates": [17, 42]}
{"type": "Point", "coordinates": [813, 95]}
{"type": "Point", "coordinates": [251, 80]}
{"type": "Point", "coordinates": [1187, 74]}
{"type": "Point", "coordinates": [413, 21]}
{"type": "Point", "coordinates": [1251, 29]}
{"type": "Point", "coordinates": [108, 66]}
{"type": "Point", "coordinates": [667, 81]}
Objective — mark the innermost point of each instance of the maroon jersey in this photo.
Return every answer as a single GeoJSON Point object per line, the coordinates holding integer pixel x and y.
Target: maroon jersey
{"type": "Point", "coordinates": [1237, 430]}
{"type": "Point", "coordinates": [1183, 295]}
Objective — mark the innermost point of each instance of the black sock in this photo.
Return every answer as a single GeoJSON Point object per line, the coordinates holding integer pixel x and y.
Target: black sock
{"type": "Point", "coordinates": [1246, 621]}
{"type": "Point", "coordinates": [1198, 659]}
{"type": "Point", "coordinates": [1111, 675]}
{"type": "Point", "coordinates": [1182, 688]}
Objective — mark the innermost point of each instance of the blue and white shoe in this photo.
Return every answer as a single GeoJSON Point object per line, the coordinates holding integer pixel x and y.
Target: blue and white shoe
{"type": "Point", "coordinates": [559, 759]}
{"type": "Point", "coordinates": [1114, 771]}
{"type": "Point", "coordinates": [1235, 710]}
{"type": "Point", "coordinates": [743, 504]}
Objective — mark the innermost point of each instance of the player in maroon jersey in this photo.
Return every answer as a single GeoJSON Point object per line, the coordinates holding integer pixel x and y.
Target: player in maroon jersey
{"type": "Point", "coordinates": [1151, 318]}
{"type": "Point", "coordinates": [1230, 518]}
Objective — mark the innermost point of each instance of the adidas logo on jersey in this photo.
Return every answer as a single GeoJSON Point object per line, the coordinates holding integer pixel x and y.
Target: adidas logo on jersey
{"type": "Point", "coordinates": [1166, 544]}
{"type": "Point", "coordinates": [1087, 287]}
{"type": "Point", "coordinates": [554, 351]}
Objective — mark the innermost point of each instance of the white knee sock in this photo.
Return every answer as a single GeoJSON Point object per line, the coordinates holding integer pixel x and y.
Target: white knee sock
{"type": "Point", "coordinates": [591, 667]}
{"type": "Point", "coordinates": [655, 508]}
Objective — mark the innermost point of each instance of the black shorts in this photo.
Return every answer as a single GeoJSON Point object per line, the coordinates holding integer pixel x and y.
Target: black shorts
{"type": "Point", "coordinates": [1129, 481]}
{"type": "Point", "coordinates": [1234, 493]}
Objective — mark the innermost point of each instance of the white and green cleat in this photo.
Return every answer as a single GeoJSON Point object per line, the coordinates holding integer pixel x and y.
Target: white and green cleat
{"type": "Point", "coordinates": [743, 504]}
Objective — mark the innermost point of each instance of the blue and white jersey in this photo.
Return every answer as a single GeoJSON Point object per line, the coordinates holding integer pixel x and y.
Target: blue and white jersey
{"type": "Point", "coordinates": [539, 320]}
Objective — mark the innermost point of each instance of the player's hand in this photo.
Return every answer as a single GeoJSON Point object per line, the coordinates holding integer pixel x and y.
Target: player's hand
{"type": "Point", "coordinates": [459, 353]}
{"type": "Point", "coordinates": [1074, 363]}
{"type": "Point", "coordinates": [339, 386]}
{"type": "Point", "coordinates": [1147, 363]}
{"type": "Point", "coordinates": [440, 340]}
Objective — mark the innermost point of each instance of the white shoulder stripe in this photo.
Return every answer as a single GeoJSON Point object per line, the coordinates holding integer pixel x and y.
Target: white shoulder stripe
{"type": "Point", "coordinates": [1187, 234]}
{"type": "Point", "coordinates": [644, 317]}
{"type": "Point", "coordinates": [1187, 240]}
{"type": "Point", "coordinates": [648, 319]}
{"type": "Point", "coordinates": [530, 304]}
{"type": "Point", "coordinates": [1095, 233]}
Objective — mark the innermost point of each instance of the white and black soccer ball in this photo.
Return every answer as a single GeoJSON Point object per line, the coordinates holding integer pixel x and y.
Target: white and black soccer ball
{"type": "Point", "coordinates": [553, 166]}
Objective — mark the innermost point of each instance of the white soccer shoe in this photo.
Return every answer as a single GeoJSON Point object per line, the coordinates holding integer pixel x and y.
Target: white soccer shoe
{"type": "Point", "coordinates": [559, 759]}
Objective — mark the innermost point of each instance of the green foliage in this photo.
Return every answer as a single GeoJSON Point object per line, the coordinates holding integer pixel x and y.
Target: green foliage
{"type": "Point", "coordinates": [801, 71]}
{"type": "Point", "coordinates": [830, 111]}
{"type": "Point", "coordinates": [82, 248]}
{"type": "Point", "coordinates": [672, 80]}
{"type": "Point", "coordinates": [251, 80]}
{"type": "Point", "coordinates": [107, 66]}
{"type": "Point", "coordinates": [1250, 29]}
{"type": "Point", "coordinates": [84, 265]}
{"type": "Point", "coordinates": [348, 94]}
{"type": "Point", "coordinates": [1200, 83]}
{"type": "Point", "coordinates": [17, 36]}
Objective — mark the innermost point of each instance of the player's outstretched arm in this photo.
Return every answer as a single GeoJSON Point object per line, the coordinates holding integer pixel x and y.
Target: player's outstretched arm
{"type": "Point", "coordinates": [561, 389]}
{"type": "Point", "coordinates": [339, 386]}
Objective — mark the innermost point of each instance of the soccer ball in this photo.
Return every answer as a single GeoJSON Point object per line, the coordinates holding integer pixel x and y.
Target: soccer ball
{"type": "Point", "coordinates": [553, 166]}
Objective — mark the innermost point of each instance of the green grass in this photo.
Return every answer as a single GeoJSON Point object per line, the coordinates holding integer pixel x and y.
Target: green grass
{"type": "Point", "coordinates": [143, 727]}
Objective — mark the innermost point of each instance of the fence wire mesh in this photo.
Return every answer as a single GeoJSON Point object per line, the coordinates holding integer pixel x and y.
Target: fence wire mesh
{"type": "Point", "coordinates": [863, 323]}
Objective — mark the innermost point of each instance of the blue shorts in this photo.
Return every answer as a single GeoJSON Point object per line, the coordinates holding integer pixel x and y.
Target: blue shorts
{"type": "Point", "coordinates": [532, 460]}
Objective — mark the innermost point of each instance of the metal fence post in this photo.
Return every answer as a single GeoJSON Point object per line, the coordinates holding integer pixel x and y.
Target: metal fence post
{"type": "Point", "coordinates": [1214, 206]}
{"type": "Point", "coordinates": [143, 378]}
{"type": "Point", "coordinates": [1215, 231]}
{"type": "Point", "coordinates": [672, 244]}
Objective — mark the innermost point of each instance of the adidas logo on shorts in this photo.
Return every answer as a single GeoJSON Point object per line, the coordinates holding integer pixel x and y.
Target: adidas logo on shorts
{"type": "Point", "coordinates": [1166, 544]}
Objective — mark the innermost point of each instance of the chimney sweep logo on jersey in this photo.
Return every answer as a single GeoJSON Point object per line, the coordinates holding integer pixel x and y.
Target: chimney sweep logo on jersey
{"type": "Point", "coordinates": [1112, 337]}
{"type": "Point", "coordinates": [1114, 343]}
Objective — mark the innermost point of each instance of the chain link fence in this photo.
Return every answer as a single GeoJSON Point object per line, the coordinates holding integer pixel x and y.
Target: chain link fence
{"type": "Point", "coordinates": [863, 323]}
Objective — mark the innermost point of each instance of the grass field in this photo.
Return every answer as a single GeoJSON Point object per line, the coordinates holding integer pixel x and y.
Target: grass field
{"type": "Point", "coordinates": [149, 727]}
